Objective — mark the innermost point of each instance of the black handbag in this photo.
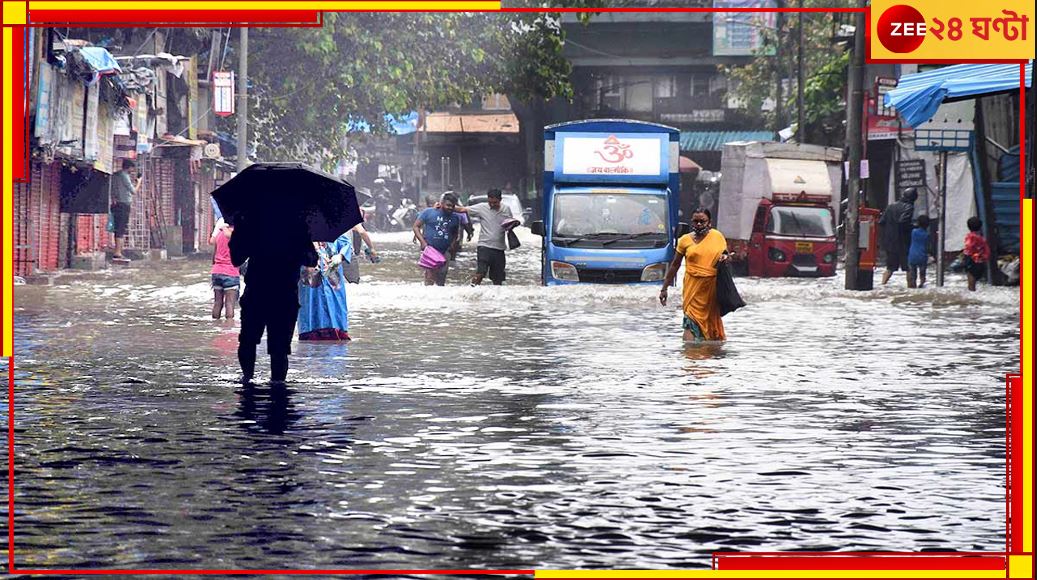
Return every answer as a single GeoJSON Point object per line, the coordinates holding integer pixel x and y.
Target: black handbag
{"type": "Point", "coordinates": [513, 241]}
{"type": "Point", "coordinates": [728, 298]}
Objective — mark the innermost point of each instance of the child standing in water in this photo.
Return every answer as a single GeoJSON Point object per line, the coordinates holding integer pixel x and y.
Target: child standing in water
{"type": "Point", "coordinates": [225, 277]}
{"type": "Point", "coordinates": [976, 251]}
{"type": "Point", "coordinates": [917, 255]}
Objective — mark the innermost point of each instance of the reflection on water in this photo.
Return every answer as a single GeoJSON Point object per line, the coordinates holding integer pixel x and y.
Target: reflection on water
{"type": "Point", "coordinates": [507, 427]}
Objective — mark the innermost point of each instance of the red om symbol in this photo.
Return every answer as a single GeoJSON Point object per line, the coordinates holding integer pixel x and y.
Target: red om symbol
{"type": "Point", "coordinates": [615, 152]}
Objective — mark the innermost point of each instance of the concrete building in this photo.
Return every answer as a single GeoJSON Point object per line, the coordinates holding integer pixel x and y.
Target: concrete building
{"type": "Point", "coordinates": [89, 109]}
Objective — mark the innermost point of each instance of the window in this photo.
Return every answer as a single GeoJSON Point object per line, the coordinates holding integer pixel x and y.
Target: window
{"type": "Point", "coordinates": [700, 84]}
{"type": "Point", "coordinates": [638, 93]}
{"type": "Point", "coordinates": [601, 214]}
{"type": "Point", "coordinates": [610, 92]}
{"type": "Point", "coordinates": [801, 221]}
{"type": "Point", "coordinates": [761, 217]}
{"type": "Point", "coordinates": [665, 87]}
{"type": "Point", "coordinates": [717, 84]}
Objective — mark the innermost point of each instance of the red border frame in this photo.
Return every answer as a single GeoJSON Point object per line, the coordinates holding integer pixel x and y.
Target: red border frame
{"type": "Point", "coordinates": [721, 560]}
{"type": "Point", "coordinates": [175, 18]}
{"type": "Point", "coordinates": [859, 561]}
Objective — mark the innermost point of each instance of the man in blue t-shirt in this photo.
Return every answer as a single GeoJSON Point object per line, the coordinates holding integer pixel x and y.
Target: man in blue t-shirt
{"type": "Point", "coordinates": [439, 228]}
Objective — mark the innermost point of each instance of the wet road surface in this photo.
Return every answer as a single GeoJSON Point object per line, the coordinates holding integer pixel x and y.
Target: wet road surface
{"type": "Point", "coordinates": [510, 427]}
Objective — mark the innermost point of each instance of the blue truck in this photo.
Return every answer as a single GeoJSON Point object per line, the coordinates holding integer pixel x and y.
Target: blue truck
{"type": "Point", "coordinates": [610, 202]}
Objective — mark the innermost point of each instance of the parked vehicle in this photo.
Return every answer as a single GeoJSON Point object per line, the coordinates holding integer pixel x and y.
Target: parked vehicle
{"type": "Point", "coordinates": [778, 205]}
{"type": "Point", "coordinates": [367, 207]}
{"type": "Point", "coordinates": [403, 217]}
{"type": "Point", "coordinates": [611, 194]}
{"type": "Point", "coordinates": [509, 200]}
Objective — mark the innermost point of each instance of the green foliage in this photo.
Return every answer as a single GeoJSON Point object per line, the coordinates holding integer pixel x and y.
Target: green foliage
{"type": "Point", "coordinates": [824, 65]}
{"type": "Point", "coordinates": [309, 86]}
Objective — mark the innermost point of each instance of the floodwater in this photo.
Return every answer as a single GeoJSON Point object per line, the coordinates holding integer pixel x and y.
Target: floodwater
{"type": "Point", "coordinates": [507, 427]}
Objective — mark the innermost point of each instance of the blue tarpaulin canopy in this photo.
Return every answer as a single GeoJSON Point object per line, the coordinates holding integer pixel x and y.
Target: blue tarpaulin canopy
{"type": "Point", "coordinates": [100, 59]}
{"type": "Point", "coordinates": [714, 140]}
{"type": "Point", "coordinates": [404, 125]}
{"type": "Point", "coordinates": [918, 95]}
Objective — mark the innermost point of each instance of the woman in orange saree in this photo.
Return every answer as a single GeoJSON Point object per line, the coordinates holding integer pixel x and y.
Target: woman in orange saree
{"type": "Point", "coordinates": [701, 251]}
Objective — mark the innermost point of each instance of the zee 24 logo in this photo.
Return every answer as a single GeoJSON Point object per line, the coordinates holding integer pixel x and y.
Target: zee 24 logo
{"type": "Point", "coordinates": [902, 28]}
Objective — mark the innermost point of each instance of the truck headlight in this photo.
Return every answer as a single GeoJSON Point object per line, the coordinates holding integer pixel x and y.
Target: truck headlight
{"type": "Point", "coordinates": [776, 255]}
{"type": "Point", "coordinates": [654, 272]}
{"type": "Point", "coordinates": [563, 271]}
{"type": "Point", "coordinates": [829, 258]}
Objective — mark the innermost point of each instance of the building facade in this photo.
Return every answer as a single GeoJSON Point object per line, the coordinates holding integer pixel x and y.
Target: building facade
{"type": "Point", "coordinates": [90, 109]}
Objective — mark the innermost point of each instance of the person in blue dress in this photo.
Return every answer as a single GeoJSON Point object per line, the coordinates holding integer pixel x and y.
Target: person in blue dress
{"type": "Point", "coordinates": [917, 253]}
{"type": "Point", "coordinates": [323, 313]}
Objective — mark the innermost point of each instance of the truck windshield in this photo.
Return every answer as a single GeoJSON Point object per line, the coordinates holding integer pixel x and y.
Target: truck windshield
{"type": "Point", "coordinates": [610, 214]}
{"type": "Point", "coordinates": [801, 221]}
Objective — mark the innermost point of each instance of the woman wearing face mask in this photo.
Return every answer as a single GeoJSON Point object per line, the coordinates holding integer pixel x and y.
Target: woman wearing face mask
{"type": "Point", "coordinates": [701, 251]}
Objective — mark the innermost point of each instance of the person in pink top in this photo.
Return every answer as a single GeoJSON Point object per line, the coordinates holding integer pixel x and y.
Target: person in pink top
{"type": "Point", "coordinates": [225, 277]}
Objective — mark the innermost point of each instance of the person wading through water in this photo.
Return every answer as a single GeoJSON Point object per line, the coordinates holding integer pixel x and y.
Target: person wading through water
{"type": "Point", "coordinates": [701, 251]}
{"type": "Point", "coordinates": [896, 222]}
{"type": "Point", "coordinates": [277, 248]}
{"type": "Point", "coordinates": [490, 248]}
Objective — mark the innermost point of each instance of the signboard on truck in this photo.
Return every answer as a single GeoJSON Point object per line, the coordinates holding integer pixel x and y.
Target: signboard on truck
{"type": "Point", "coordinates": [612, 157]}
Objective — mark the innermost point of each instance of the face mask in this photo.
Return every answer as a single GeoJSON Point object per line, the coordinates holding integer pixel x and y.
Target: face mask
{"type": "Point", "coordinates": [700, 228]}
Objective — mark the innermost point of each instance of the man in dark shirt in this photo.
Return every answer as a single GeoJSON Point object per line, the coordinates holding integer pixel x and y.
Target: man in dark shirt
{"type": "Point", "coordinates": [896, 222]}
{"type": "Point", "coordinates": [276, 251]}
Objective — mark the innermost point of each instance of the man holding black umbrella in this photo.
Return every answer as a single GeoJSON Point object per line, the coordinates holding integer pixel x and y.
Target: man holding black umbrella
{"type": "Point", "coordinates": [276, 252]}
{"type": "Point", "coordinates": [278, 210]}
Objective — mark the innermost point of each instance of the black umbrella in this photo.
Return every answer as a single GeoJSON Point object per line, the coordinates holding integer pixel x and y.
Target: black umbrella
{"type": "Point", "coordinates": [268, 192]}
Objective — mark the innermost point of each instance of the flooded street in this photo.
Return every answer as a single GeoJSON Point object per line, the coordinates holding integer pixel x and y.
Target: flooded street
{"type": "Point", "coordinates": [507, 427]}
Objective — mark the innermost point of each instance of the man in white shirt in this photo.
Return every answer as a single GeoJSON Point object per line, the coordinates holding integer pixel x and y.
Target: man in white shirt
{"type": "Point", "coordinates": [490, 247]}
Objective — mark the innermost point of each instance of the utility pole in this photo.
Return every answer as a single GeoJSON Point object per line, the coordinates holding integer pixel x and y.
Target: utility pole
{"type": "Point", "coordinates": [419, 157]}
{"type": "Point", "coordinates": [855, 108]}
{"type": "Point", "coordinates": [242, 108]}
{"type": "Point", "coordinates": [779, 64]}
{"type": "Point", "coordinates": [800, 123]}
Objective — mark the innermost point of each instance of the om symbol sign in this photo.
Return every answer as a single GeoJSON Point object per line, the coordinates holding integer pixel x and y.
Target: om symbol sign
{"type": "Point", "coordinates": [615, 152]}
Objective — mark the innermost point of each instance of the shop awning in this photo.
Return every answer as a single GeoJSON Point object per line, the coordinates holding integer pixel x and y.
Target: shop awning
{"type": "Point", "coordinates": [918, 95]}
{"type": "Point", "coordinates": [714, 140]}
{"type": "Point", "coordinates": [170, 140]}
{"type": "Point", "coordinates": [468, 123]}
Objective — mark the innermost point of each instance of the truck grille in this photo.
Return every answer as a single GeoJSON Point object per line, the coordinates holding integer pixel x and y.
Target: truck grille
{"type": "Point", "coordinates": [808, 260]}
{"type": "Point", "coordinates": [600, 276]}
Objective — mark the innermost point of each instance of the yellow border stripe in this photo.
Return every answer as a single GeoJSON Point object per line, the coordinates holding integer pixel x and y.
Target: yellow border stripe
{"type": "Point", "coordinates": [14, 13]}
{"type": "Point", "coordinates": [1018, 565]}
{"type": "Point", "coordinates": [280, 5]}
{"type": "Point", "coordinates": [769, 574]}
{"type": "Point", "coordinates": [1026, 249]}
{"type": "Point", "coordinates": [8, 193]}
